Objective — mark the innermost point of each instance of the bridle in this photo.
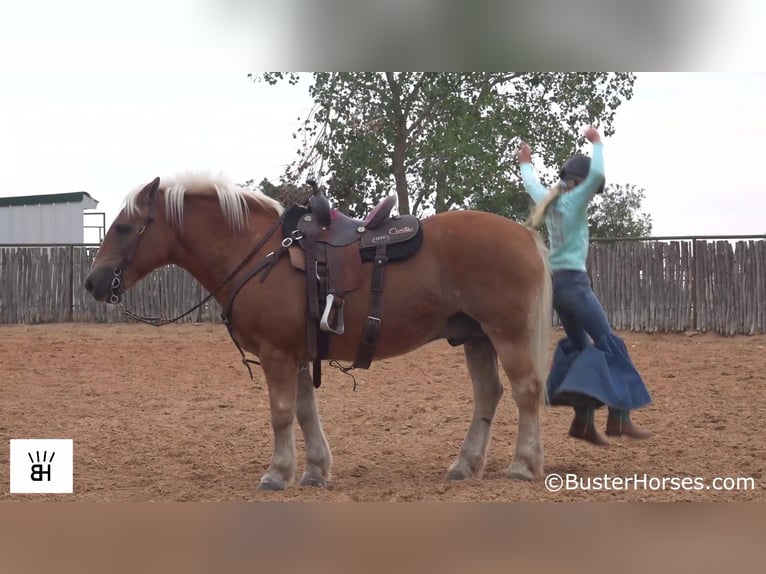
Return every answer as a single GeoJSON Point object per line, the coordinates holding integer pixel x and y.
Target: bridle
{"type": "Point", "coordinates": [264, 267]}
{"type": "Point", "coordinates": [116, 287]}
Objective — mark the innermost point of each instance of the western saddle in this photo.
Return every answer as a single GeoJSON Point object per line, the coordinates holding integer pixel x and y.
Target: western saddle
{"type": "Point", "coordinates": [332, 249]}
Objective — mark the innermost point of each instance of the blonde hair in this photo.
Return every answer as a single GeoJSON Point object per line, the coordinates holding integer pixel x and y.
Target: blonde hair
{"type": "Point", "coordinates": [538, 215]}
{"type": "Point", "coordinates": [541, 209]}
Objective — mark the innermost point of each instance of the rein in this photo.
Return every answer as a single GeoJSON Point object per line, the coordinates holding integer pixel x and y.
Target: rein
{"type": "Point", "coordinates": [268, 262]}
{"type": "Point", "coordinates": [263, 268]}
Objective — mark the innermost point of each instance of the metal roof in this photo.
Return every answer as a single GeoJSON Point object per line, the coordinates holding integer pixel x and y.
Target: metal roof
{"type": "Point", "coordinates": [75, 197]}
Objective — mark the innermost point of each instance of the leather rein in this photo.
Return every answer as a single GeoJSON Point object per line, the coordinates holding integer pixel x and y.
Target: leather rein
{"type": "Point", "coordinates": [263, 267]}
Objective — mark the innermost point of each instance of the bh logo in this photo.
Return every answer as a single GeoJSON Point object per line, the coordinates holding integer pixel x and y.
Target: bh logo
{"type": "Point", "coordinates": [41, 466]}
{"type": "Point", "coordinates": [39, 471]}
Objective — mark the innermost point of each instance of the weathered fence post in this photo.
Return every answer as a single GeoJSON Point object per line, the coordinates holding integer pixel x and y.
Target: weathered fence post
{"type": "Point", "coordinates": [693, 283]}
{"type": "Point", "coordinates": [70, 312]}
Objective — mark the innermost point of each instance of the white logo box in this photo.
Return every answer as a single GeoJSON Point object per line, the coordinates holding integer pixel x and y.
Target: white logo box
{"type": "Point", "coordinates": [41, 466]}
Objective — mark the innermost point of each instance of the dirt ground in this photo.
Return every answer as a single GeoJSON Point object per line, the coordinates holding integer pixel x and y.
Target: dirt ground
{"type": "Point", "coordinates": [170, 414]}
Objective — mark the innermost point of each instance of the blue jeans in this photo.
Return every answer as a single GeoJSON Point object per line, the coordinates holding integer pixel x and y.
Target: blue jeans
{"type": "Point", "coordinates": [591, 366]}
{"type": "Point", "coordinates": [578, 308]}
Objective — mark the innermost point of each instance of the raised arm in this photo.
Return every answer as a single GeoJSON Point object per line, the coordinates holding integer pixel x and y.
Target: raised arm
{"type": "Point", "coordinates": [532, 185]}
{"type": "Point", "coordinates": [583, 193]}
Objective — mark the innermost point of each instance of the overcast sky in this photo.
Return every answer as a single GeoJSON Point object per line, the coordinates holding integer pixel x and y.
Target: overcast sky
{"type": "Point", "coordinates": [100, 98]}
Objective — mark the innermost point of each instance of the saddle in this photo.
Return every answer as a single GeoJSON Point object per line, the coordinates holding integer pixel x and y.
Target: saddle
{"type": "Point", "coordinates": [332, 249]}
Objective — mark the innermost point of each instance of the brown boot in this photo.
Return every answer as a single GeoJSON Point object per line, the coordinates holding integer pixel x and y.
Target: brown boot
{"type": "Point", "coordinates": [581, 430]}
{"type": "Point", "coordinates": [619, 424]}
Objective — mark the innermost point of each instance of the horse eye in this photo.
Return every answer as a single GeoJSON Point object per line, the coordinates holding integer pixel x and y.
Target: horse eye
{"type": "Point", "coordinates": [123, 228]}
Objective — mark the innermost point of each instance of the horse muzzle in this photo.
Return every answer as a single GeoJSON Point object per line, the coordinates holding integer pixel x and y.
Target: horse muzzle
{"type": "Point", "coordinates": [105, 284]}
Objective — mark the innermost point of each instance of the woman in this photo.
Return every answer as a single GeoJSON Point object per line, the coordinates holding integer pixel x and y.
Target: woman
{"type": "Point", "coordinates": [591, 366]}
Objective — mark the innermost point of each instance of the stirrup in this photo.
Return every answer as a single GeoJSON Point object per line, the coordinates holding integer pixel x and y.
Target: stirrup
{"type": "Point", "coordinates": [324, 323]}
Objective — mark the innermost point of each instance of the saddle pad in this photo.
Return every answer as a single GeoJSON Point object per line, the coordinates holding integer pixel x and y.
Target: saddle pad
{"type": "Point", "coordinates": [397, 251]}
{"type": "Point", "coordinates": [292, 216]}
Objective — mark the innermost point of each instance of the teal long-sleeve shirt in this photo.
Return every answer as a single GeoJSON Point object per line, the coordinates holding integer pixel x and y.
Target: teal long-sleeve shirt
{"type": "Point", "coordinates": [567, 218]}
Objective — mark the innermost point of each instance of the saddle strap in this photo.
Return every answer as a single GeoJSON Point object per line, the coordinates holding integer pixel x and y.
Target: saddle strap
{"type": "Point", "coordinates": [263, 268]}
{"type": "Point", "coordinates": [372, 325]}
{"type": "Point", "coordinates": [312, 300]}
{"type": "Point", "coordinates": [316, 341]}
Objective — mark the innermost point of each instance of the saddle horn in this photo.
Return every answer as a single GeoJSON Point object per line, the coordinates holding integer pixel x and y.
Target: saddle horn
{"type": "Point", "coordinates": [319, 205]}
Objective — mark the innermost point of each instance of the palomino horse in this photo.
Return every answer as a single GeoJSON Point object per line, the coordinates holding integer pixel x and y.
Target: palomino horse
{"type": "Point", "coordinates": [478, 279]}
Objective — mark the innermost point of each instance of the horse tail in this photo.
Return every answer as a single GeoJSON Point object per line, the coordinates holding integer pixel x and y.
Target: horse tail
{"type": "Point", "coordinates": [542, 320]}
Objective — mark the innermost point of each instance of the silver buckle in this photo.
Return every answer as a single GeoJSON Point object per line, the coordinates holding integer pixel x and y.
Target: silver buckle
{"type": "Point", "coordinates": [371, 329]}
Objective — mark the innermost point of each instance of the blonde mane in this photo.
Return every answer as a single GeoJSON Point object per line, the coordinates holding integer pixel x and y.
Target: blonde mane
{"type": "Point", "coordinates": [233, 200]}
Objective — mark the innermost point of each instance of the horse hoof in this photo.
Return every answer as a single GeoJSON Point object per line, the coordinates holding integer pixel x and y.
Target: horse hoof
{"type": "Point", "coordinates": [313, 481]}
{"type": "Point", "coordinates": [454, 475]}
{"type": "Point", "coordinates": [460, 471]}
{"type": "Point", "coordinates": [520, 471]}
{"type": "Point", "coordinates": [270, 485]}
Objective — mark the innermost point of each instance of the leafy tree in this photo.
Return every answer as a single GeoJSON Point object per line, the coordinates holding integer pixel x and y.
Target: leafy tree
{"type": "Point", "coordinates": [444, 140]}
{"type": "Point", "coordinates": [617, 213]}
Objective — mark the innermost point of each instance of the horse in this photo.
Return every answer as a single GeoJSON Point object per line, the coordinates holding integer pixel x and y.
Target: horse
{"type": "Point", "coordinates": [478, 280]}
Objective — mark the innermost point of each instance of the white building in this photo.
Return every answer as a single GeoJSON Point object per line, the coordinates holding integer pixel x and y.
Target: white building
{"type": "Point", "coordinates": [54, 218]}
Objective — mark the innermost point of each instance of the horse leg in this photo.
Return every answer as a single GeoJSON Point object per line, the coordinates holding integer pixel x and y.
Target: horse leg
{"type": "Point", "coordinates": [487, 389]}
{"type": "Point", "coordinates": [281, 379]}
{"type": "Point", "coordinates": [318, 458]}
{"type": "Point", "coordinates": [526, 388]}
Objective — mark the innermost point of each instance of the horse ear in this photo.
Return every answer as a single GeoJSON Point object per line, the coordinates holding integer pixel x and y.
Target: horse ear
{"type": "Point", "coordinates": [152, 187]}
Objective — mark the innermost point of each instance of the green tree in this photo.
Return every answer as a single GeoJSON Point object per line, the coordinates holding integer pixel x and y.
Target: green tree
{"type": "Point", "coordinates": [617, 213]}
{"type": "Point", "coordinates": [444, 140]}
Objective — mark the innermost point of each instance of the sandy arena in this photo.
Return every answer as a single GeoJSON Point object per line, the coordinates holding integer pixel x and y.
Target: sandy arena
{"type": "Point", "coordinates": [170, 414]}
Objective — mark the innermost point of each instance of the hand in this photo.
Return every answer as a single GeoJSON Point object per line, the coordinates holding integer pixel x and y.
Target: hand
{"type": "Point", "coordinates": [591, 134]}
{"type": "Point", "coordinates": [525, 154]}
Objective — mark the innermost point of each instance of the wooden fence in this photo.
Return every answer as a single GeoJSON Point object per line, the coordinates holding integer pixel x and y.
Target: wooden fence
{"type": "Point", "coordinates": [651, 286]}
{"type": "Point", "coordinates": [679, 285]}
{"type": "Point", "coordinates": [45, 285]}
